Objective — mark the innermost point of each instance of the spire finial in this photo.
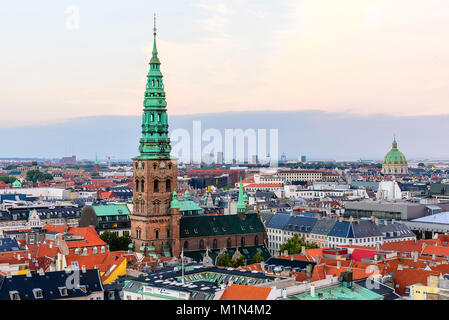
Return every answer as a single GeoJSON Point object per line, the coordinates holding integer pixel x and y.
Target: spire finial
{"type": "Point", "coordinates": [154, 29]}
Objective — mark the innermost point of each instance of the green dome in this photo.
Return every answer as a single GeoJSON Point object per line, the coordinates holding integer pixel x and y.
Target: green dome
{"type": "Point", "coordinates": [395, 156]}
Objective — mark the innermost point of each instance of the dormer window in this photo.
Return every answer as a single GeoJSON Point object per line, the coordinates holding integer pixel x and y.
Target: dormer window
{"type": "Point", "coordinates": [63, 291]}
{"type": "Point", "coordinates": [14, 295]}
{"type": "Point", "coordinates": [38, 293]}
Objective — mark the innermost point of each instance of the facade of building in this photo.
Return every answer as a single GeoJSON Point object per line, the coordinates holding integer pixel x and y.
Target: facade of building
{"type": "Point", "coordinates": [109, 217]}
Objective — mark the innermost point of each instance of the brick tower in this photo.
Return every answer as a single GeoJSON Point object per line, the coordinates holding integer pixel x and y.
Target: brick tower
{"type": "Point", "coordinates": [155, 217]}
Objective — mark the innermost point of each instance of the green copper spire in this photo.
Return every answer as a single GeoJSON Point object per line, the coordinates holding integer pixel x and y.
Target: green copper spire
{"type": "Point", "coordinates": [174, 202]}
{"type": "Point", "coordinates": [241, 203]}
{"type": "Point", "coordinates": [96, 158]}
{"type": "Point", "coordinates": [154, 143]}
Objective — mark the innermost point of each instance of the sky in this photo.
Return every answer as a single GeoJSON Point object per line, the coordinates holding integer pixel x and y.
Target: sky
{"type": "Point", "coordinates": [67, 59]}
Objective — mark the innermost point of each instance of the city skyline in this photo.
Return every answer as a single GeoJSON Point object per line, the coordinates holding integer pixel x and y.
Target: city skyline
{"type": "Point", "coordinates": [294, 55]}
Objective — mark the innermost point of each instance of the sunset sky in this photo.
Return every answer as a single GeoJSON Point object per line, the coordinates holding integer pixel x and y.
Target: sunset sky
{"type": "Point", "coordinates": [353, 56]}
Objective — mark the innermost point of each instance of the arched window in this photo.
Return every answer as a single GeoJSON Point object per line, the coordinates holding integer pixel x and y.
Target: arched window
{"type": "Point", "coordinates": [201, 244]}
{"type": "Point", "coordinates": [228, 243]}
{"type": "Point", "coordinates": [256, 240]}
{"type": "Point", "coordinates": [168, 233]}
{"type": "Point", "coordinates": [168, 185]}
{"type": "Point", "coordinates": [186, 244]}
{"type": "Point", "coordinates": [242, 241]}
{"type": "Point", "coordinates": [152, 83]}
{"type": "Point", "coordinates": [156, 186]}
{"type": "Point", "coordinates": [159, 117]}
{"type": "Point", "coordinates": [142, 187]}
{"type": "Point", "coordinates": [215, 244]}
{"type": "Point", "coordinates": [157, 82]}
{"type": "Point", "coordinates": [138, 233]}
{"type": "Point", "coordinates": [156, 233]}
{"type": "Point", "coordinates": [137, 185]}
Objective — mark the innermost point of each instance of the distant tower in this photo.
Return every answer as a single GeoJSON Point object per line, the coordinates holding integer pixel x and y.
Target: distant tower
{"type": "Point", "coordinates": [96, 166]}
{"type": "Point", "coordinates": [241, 207]}
{"type": "Point", "coordinates": [155, 218]}
{"type": "Point", "coordinates": [283, 157]}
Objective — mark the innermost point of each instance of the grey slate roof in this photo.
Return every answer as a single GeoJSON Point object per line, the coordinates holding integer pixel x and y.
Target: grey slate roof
{"type": "Point", "coordinates": [323, 226]}
{"type": "Point", "coordinates": [278, 221]}
{"type": "Point", "coordinates": [300, 224]}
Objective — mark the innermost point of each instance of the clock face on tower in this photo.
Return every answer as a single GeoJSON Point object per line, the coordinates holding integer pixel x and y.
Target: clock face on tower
{"type": "Point", "coordinates": [139, 164]}
{"type": "Point", "coordinates": [162, 164]}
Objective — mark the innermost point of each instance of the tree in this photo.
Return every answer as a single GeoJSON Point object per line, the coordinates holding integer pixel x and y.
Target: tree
{"type": "Point", "coordinates": [36, 175]}
{"type": "Point", "coordinates": [7, 179]}
{"type": "Point", "coordinates": [240, 261]}
{"type": "Point", "coordinates": [225, 261]}
{"type": "Point", "coordinates": [257, 258]}
{"type": "Point", "coordinates": [116, 243]}
{"type": "Point", "coordinates": [294, 244]}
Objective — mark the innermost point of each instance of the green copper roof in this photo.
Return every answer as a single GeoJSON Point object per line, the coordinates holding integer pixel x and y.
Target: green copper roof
{"type": "Point", "coordinates": [111, 210]}
{"type": "Point", "coordinates": [394, 156]}
{"type": "Point", "coordinates": [241, 202]}
{"type": "Point", "coordinates": [154, 143]}
{"type": "Point", "coordinates": [16, 184]}
{"type": "Point", "coordinates": [188, 205]}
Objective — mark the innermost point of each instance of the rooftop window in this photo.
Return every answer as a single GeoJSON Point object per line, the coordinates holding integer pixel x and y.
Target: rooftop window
{"type": "Point", "coordinates": [38, 293]}
{"type": "Point", "coordinates": [63, 291]}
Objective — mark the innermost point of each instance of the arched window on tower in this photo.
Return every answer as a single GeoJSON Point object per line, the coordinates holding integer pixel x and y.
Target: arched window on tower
{"type": "Point", "coordinates": [168, 185]}
{"type": "Point", "coordinates": [156, 186]}
{"type": "Point", "coordinates": [142, 187]}
{"type": "Point", "coordinates": [137, 185]}
{"type": "Point", "coordinates": [156, 233]}
{"type": "Point", "coordinates": [159, 117]}
{"type": "Point", "coordinates": [157, 83]}
{"type": "Point", "coordinates": [152, 117]}
{"type": "Point", "coordinates": [168, 233]}
{"type": "Point", "coordinates": [152, 83]}
{"type": "Point", "coordinates": [138, 233]}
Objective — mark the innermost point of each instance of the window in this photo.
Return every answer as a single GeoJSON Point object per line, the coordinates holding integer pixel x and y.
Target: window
{"type": "Point", "coordinates": [201, 244]}
{"type": "Point", "coordinates": [156, 233]}
{"type": "Point", "coordinates": [186, 244]}
{"type": "Point", "coordinates": [168, 185]}
{"type": "Point", "coordinates": [156, 186]}
{"type": "Point", "coordinates": [14, 295]}
{"type": "Point", "coordinates": [142, 189]}
{"type": "Point", "coordinates": [256, 240]}
{"type": "Point", "coordinates": [242, 241]}
{"type": "Point", "coordinates": [215, 244]}
{"type": "Point", "coordinates": [63, 291]}
{"type": "Point", "coordinates": [228, 243]}
{"type": "Point", "coordinates": [168, 233]}
{"type": "Point", "coordinates": [137, 185]}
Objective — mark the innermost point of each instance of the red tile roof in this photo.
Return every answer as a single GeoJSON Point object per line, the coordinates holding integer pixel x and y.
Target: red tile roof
{"type": "Point", "coordinates": [245, 292]}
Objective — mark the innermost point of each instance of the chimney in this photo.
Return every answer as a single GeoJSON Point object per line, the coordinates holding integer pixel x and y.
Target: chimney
{"type": "Point", "coordinates": [415, 256]}
{"type": "Point", "coordinates": [83, 268]}
{"type": "Point", "coordinates": [433, 256]}
{"type": "Point", "coordinates": [338, 264]}
{"type": "Point", "coordinates": [50, 244]}
{"type": "Point", "coordinates": [400, 266]}
{"type": "Point", "coordinates": [29, 256]}
{"type": "Point", "coordinates": [312, 290]}
{"type": "Point", "coordinates": [432, 281]}
{"type": "Point", "coordinates": [309, 271]}
{"type": "Point", "coordinates": [303, 250]}
{"type": "Point", "coordinates": [18, 256]}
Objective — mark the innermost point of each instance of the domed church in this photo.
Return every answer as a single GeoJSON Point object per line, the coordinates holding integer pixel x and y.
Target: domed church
{"type": "Point", "coordinates": [394, 162]}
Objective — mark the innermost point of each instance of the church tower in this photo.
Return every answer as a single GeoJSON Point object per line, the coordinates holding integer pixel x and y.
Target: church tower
{"type": "Point", "coordinates": [154, 221]}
